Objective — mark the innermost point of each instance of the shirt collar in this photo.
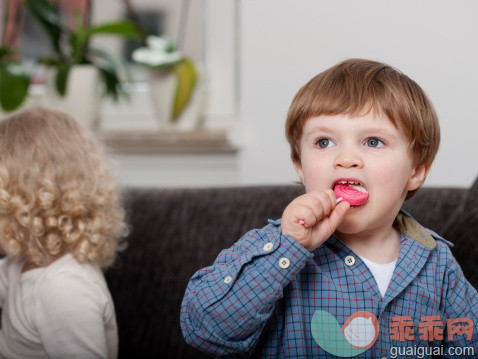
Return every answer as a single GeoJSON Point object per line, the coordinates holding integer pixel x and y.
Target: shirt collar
{"type": "Point", "coordinates": [408, 226]}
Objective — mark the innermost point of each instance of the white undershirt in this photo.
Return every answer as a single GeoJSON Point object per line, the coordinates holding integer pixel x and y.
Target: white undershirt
{"type": "Point", "coordinates": [381, 272]}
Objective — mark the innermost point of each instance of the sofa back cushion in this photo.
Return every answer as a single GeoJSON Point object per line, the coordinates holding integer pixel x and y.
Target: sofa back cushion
{"type": "Point", "coordinates": [461, 228]}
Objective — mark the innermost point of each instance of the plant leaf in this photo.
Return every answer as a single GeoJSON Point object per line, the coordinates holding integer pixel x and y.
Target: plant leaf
{"type": "Point", "coordinates": [49, 61]}
{"type": "Point", "coordinates": [48, 16]}
{"type": "Point", "coordinates": [61, 80]}
{"type": "Point", "coordinates": [121, 28]}
{"type": "Point", "coordinates": [113, 61]}
{"type": "Point", "coordinates": [79, 39]}
{"type": "Point", "coordinates": [4, 51]}
{"type": "Point", "coordinates": [78, 42]}
{"type": "Point", "coordinates": [111, 68]}
{"type": "Point", "coordinates": [13, 86]}
{"type": "Point", "coordinates": [186, 80]}
{"type": "Point", "coordinates": [111, 81]}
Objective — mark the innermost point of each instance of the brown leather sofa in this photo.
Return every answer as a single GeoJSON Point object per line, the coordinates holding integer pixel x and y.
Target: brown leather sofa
{"type": "Point", "coordinates": [175, 232]}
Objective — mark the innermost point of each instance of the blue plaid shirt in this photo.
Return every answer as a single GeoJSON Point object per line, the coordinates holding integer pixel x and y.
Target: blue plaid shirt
{"type": "Point", "coordinates": [267, 296]}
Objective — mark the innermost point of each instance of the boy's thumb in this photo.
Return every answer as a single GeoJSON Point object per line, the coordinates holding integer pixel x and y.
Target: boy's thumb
{"type": "Point", "coordinates": [337, 215]}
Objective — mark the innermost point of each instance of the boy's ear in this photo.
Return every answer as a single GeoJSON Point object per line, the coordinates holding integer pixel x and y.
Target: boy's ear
{"type": "Point", "coordinates": [298, 169]}
{"type": "Point", "coordinates": [418, 176]}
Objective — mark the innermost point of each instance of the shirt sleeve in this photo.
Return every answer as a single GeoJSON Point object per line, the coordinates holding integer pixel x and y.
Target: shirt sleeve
{"type": "Point", "coordinates": [460, 305]}
{"type": "Point", "coordinates": [3, 281]}
{"type": "Point", "coordinates": [69, 314]}
{"type": "Point", "coordinates": [227, 305]}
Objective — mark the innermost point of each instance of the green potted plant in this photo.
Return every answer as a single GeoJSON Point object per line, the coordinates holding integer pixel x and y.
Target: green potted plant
{"type": "Point", "coordinates": [173, 76]}
{"type": "Point", "coordinates": [77, 68]}
{"type": "Point", "coordinates": [72, 46]}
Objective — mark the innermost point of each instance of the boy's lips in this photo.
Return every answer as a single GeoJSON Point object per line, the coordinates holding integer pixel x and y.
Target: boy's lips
{"type": "Point", "coordinates": [351, 190]}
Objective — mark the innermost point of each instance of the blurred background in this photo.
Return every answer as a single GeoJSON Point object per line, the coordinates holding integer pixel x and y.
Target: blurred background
{"type": "Point", "coordinates": [206, 104]}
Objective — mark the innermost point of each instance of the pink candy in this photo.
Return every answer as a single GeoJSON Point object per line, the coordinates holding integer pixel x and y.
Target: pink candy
{"type": "Point", "coordinates": [351, 194]}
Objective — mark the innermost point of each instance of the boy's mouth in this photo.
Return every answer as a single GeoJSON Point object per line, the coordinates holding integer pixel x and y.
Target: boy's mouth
{"type": "Point", "coordinates": [351, 191]}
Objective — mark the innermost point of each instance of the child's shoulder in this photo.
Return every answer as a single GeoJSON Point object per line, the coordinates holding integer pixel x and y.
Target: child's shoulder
{"type": "Point", "coordinates": [442, 253]}
{"type": "Point", "coordinates": [442, 242]}
{"type": "Point", "coordinates": [410, 227]}
{"type": "Point", "coordinates": [68, 285]}
{"type": "Point", "coordinates": [434, 246]}
{"type": "Point", "coordinates": [66, 272]}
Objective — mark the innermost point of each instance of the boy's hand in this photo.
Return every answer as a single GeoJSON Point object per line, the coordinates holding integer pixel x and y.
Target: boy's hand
{"type": "Point", "coordinates": [320, 215]}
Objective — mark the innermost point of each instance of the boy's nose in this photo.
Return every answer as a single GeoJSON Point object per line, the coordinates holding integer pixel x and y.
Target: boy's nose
{"type": "Point", "coordinates": [348, 159]}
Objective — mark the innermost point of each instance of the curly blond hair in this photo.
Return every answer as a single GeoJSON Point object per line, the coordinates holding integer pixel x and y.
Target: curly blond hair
{"type": "Point", "coordinates": [56, 191]}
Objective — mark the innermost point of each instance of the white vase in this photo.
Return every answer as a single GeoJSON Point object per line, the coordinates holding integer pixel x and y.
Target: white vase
{"type": "Point", "coordinates": [163, 89]}
{"type": "Point", "coordinates": [82, 97]}
{"type": "Point", "coordinates": [162, 85]}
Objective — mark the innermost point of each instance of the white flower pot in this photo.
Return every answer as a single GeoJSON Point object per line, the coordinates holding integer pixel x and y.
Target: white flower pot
{"type": "Point", "coordinates": [82, 97]}
{"type": "Point", "coordinates": [162, 89]}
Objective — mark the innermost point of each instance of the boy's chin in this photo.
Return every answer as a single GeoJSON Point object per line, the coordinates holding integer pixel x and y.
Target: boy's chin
{"type": "Point", "coordinates": [349, 226]}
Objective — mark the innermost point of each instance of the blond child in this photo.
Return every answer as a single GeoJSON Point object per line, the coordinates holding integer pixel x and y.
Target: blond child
{"type": "Point", "coordinates": [60, 223]}
{"type": "Point", "coordinates": [345, 272]}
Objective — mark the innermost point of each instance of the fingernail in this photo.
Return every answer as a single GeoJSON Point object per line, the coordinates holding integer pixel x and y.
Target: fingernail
{"type": "Point", "coordinates": [301, 221]}
{"type": "Point", "coordinates": [340, 199]}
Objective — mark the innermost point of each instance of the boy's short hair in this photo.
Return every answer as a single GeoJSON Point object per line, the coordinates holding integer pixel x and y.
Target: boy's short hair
{"type": "Point", "coordinates": [356, 86]}
{"type": "Point", "coordinates": [56, 192]}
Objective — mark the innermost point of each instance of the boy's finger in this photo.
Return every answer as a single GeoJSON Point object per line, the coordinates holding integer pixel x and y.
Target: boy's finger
{"type": "Point", "coordinates": [338, 214]}
{"type": "Point", "coordinates": [304, 214]}
{"type": "Point", "coordinates": [322, 203]}
{"type": "Point", "coordinates": [330, 224]}
{"type": "Point", "coordinates": [316, 210]}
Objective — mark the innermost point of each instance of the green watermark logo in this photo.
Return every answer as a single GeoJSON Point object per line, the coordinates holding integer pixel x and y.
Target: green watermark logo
{"type": "Point", "coordinates": [359, 333]}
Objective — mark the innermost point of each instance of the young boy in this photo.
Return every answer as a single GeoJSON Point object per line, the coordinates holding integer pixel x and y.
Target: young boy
{"type": "Point", "coordinates": [345, 272]}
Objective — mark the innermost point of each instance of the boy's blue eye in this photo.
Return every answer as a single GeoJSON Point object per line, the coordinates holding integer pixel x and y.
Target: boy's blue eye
{"type": "Point", "coordinates": [324, 143]}
{"type": "Point", "coordinates": [374, 142]}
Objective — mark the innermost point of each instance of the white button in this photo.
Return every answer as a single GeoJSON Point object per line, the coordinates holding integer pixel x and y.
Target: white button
{"type": "Point", "coordinates": [350, 260]}
{"type": "Point", "coordinates": [384, 357]}
{"type": "Point", "coordinates": [268, 247]}
{"type": "Point", "coordinates": [284, 262]}
{"type": "Point", "coordinates": [228, 279]}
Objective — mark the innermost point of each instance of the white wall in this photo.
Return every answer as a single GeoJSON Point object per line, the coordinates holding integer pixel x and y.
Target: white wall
{"type": "Point", "coordinates": [282, 44]}
{"type": "Point", "coordinates": [286, 42]}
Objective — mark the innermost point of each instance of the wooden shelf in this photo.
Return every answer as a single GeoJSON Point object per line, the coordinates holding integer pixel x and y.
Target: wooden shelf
{"type": "Point", "coordinates": [200, 141]}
